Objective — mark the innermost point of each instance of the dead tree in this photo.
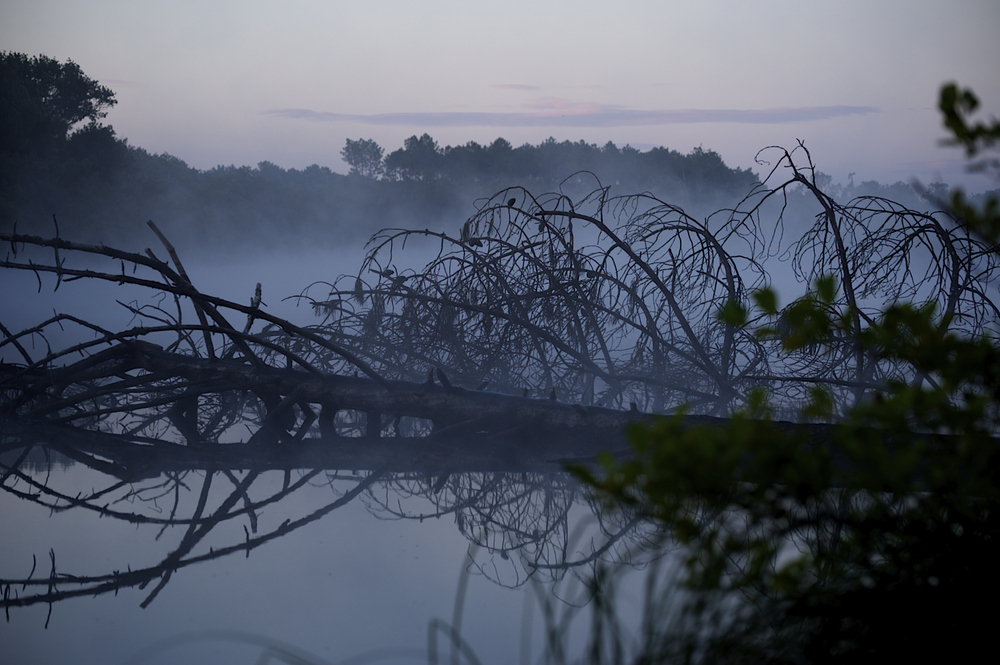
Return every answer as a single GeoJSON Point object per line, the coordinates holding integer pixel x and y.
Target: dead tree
{"type": "Point", "coordinates": [576, 316]}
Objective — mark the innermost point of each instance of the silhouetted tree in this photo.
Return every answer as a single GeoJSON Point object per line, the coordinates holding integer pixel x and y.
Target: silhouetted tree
{"type": "Point", "coordinates": [42, 159]}
{"type": "Point", "coordinates": [66, 94]}
{"type": "Point", "coordinates": [364, 156]}
{"type": "Point", "coordinates": [418, 159]}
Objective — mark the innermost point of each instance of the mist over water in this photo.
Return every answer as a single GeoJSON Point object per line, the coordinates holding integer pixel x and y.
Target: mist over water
{"type": "Point", "coordinates": [283, 273]}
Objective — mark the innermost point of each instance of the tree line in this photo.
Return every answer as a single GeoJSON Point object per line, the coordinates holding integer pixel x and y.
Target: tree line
{"type": "Point", "coordinates": [59, 158]}
{"type": "Point", "coordinates": [500, 163]}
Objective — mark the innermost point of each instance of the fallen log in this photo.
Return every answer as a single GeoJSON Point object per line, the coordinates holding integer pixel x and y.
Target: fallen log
{"type": "Point", "coordinates": [472, 430]}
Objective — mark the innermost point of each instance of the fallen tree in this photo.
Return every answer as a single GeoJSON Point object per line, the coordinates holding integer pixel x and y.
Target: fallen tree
{"type": "Point", "coordinates": [466, 429]}
{"type": "Point", "coordinates": [572, 318]}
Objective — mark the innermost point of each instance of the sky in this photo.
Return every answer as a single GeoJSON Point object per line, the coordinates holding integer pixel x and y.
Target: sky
{"type": "Point", "coordinates": [228, 82]}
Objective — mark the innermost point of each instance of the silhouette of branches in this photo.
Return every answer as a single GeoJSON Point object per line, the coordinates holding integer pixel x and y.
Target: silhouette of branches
{"type": "Point", "coordinates": [525, 521]}
{"type": "Point", "coordinates": [550, 297]}
{"type": "Point", "coordinates": [526, 524]}
{"type": "Point", "coordinates": [199, 507]}
{"type": "Point", "coordinates": [879, 252]}
{"type": "Point", "coordinates": [613, 300]}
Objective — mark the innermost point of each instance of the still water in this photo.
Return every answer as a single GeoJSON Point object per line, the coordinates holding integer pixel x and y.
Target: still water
{"type": "Point", "coordinates": [363, 580]}
{"type": "Point", "coordinates": [319, 565]}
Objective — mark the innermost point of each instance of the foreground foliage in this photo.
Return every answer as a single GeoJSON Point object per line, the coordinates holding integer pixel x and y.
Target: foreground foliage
{"type": "Point", "coordinates": [872, 548]}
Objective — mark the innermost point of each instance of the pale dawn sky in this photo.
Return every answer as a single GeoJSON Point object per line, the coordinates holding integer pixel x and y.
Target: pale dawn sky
{"type": "Point", "coordinates": [242, 82]}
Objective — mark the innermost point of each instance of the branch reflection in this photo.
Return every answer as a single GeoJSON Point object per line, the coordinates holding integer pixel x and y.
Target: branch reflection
{"type": "Point", "coordinates": [529, 525]}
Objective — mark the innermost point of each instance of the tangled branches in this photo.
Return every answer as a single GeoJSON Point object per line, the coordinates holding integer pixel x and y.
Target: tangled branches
{"type": "Point", "coordinates": [607, 303]}
{"type": "Point", "coordinates": [614, 301]}
{"type": "Point", "coordinates": [524, 522]}
{"type": "Point", "coordinates": [547, 297]}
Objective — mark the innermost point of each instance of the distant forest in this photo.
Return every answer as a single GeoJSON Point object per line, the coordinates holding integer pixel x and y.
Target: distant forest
{"type": "Point", "coordinates": [58, 158]}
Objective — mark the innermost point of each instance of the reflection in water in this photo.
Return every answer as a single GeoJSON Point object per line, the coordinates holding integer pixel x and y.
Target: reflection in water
{"type": "Point", "coordinates": [528, 524]}
{"type": "Point", "coordinates": [523, 522]}
{"type": "Point", "coordinates": [519, 527]}
{"type": "Point", "coordinates": [226, 477]}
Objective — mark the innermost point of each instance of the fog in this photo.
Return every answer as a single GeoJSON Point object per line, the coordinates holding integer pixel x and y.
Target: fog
{"type": "Point", "coordinates": [283, 273]}
{"type": "Point", "coordinates": [577, 299]}
{"type": "Point", "coordinates": [327, 539]}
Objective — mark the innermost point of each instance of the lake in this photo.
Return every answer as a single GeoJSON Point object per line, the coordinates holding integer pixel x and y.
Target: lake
{"type": "Point", "coordinates": [365, 580]}
{"type": "Point", "coordinates": [307, 565]}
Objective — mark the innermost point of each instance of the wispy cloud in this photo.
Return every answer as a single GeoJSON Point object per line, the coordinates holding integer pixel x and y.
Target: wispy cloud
{"type": "Point", "coordinates": [561, 112]}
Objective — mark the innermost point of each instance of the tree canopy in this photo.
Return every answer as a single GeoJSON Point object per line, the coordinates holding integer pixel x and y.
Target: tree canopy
{"type": "Point", "coordinates": [44, 152]}
{"type": "Point", "coordinates": [62, 90]}
{"type": "Point", "coordinates": [418, 159]}
{"type": "Point", "coordinates": [364, 156]}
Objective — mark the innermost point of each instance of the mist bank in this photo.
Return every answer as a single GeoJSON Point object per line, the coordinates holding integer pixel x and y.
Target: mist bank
{"type": "Point", "coordinates": [63, 171]}
{"type": "Point", "coordinates": [105, 193]}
